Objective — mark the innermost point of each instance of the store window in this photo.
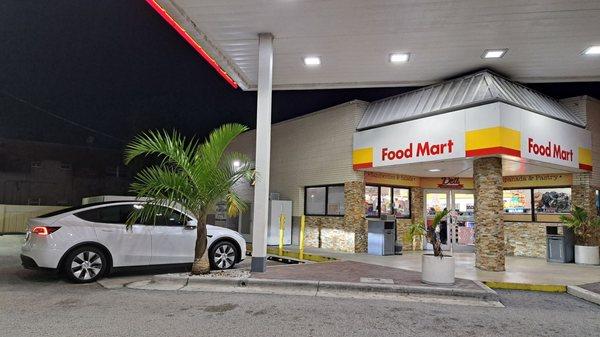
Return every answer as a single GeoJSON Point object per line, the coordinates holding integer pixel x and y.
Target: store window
{"type": "Point", "coordinates": [402, 202]}
{"type": "Point", "coordinates": [335, 200]}
{"type": "Point", "coordinates": [371, 201]}
{"type": "Point", "coordinates": [315, 200]}
{"type": "Point", "coordinates": [552, 200]}
{"type": "Point", "coordinates": [324, 200]}
{"type": "Point", "coordinates": [387, 200]}
{"type": "Point", "coordinates": [597, 202]}
{"type": "Point", "coordinates": [517, 201]}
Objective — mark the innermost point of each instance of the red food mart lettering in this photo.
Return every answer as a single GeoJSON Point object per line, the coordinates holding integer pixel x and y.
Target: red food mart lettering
{"type": "Point", "coordinates": [422, 149]}
{"type": "Point", "coordinates": [550, 150]}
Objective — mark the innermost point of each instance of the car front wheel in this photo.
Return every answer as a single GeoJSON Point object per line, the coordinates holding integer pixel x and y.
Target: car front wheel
{"type": "Point", "coordinates": [85, 264]}
{"type": "Point", "coordinates": [222, 255]}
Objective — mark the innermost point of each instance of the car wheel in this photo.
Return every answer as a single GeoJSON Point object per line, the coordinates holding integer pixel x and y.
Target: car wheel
{"type": "Point", "coordinates": [222, 255]}
{"type": "Point", "coordinates": [85, 264]}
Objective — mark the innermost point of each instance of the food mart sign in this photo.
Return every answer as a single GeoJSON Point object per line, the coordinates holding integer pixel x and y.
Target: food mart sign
{"type": "Point", "coordinates": [491, 129]}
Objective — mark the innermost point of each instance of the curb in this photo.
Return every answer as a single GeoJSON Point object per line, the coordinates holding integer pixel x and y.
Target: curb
{"type": "Point", "coordinates": [550, 288]}
{"type": "Point", "coordinates": [315, 287]}
{"type": "Point", "coordinates": [584, 294]}
{"type": "Point", "coordinates": [294, 254]}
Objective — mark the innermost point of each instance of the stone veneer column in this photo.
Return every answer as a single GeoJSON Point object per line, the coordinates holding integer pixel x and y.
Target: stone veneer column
{"type": "Point", "coordinates": [584, 196]}
{"type": "Point", "coordinates": [489, 227]}
{"type": "Point", "coordinates": [417, 210]}
{"type": "Point", "coordinates": [416, 204]}
{"type": "Point", "coordinates": [354, 192]}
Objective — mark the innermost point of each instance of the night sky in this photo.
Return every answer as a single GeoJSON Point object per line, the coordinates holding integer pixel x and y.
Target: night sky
{"type": "Point", "coordinates": [95, 73]}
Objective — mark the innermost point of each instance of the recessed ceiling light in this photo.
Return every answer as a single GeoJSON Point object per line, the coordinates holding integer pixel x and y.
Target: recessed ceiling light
{"type": "Point", "coordinates": [494, 53]}
{"type": "Point", "coordinates": [434, 170]}
{"type": "Point", "coordinates": [399, 57]}
{"type": "Point", "coordinates": [312, 61]}
{"type": "Point", "coordinates": [592, 50]}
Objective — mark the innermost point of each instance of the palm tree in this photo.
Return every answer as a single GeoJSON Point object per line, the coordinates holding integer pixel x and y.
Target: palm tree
{"type": "Point", "coordinates": [581, 223]}
{"type": "Point", "coordinates": [191, 175]}
{"type": "Point", "coordinates": [415, 230]}
{"type": "Point", "coordinates": [433, 234]}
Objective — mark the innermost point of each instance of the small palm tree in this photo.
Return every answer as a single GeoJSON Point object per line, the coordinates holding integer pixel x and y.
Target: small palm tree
{"type": "Point", "coordinates": [191, 175]}
{"type": "Point", "coordinates": [415, 230]}
{"type": "Point", "coordinates": [581, 223]}
{"type": "Point", "coordinates": [433, 234]}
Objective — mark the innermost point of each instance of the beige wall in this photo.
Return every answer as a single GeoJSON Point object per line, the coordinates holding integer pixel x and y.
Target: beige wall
{"type": "Point", "coordinates": [588, 108]}
{"type": "Point", "coordinates": [593, 124]}
{"type": "Point", "coordinates": [13, 218]}
{"type": "Point", "coordinates": [314, 149]}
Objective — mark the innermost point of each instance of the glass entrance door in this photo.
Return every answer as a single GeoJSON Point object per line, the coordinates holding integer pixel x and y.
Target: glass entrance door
{"type": "Point", "coordinates": [462, 230]}
{"type": "Point", "coordinates": [457, 231]}
{"type": "Point", "coordinates": [437, 201]}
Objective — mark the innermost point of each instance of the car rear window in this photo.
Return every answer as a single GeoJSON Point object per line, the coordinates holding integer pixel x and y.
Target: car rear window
{"type": "Point", "coordinates": [61, 211]}
{"type": "Point", "coordinates": [74, 208]}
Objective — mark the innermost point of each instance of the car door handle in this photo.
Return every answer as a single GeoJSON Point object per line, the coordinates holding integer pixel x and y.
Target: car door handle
{"type": "Point", "coordinates": [189, 228]}
{"type": "Point", "coordinates": [107, 230]}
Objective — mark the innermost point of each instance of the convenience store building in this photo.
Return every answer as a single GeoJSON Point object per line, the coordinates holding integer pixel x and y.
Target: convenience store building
{"type": "Point", "coordinates": [472, 134]}
{"type": "Point", "coordinates": [507, 159]}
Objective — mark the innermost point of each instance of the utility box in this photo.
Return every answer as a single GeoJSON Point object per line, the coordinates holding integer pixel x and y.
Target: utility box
{"type": "Point", "coordinates": [276, 209]}
{"type": "Point", "coordinates": [381, 237]}
{"type": "Point", "coordinates": [560, 244]}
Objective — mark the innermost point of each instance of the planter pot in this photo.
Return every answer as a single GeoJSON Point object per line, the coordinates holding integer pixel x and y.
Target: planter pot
{"type": "Point", "coordinates": [587, 255]}
{"type": "Point", "coordinates": [437, 271]}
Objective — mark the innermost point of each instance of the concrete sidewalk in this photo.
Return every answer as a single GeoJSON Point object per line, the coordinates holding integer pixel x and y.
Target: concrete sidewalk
{"type": "Point", "coordinates": [332, 279]}
{"type": "Point", "coordinates": [518, 269]}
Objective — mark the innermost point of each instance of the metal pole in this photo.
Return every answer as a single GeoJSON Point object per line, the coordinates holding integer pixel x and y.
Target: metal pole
{"type": "Point", "coordinates": [281, 228]}
{"type": "Point", "coordinates": [263, 153]}
{"type": "Point", "coordinates": [301, 248]}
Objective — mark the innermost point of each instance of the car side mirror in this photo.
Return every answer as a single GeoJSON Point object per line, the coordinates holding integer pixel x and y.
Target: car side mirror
{"type": "Point", "coordinates": [192, 224]}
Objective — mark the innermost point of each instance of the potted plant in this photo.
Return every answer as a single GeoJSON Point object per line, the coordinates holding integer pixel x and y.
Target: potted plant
{"type": "Point", "coordinates": [583, 226]}
{"type": "Point", "coordinates": [437, 268]}
{"type": "Point", "coordinates": [415, 234]}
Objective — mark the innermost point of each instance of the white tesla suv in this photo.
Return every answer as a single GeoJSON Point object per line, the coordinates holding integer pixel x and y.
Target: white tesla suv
{"type": "Point", "coordinates": [89, 241]}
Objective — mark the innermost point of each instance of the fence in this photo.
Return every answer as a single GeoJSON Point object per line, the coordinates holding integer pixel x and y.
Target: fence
{"type": "Point", "coordinates": [13, 218]}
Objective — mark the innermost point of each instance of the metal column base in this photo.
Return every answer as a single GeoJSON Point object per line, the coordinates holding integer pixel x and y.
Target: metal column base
{"type": "Point", "coordinates": [259, 264]}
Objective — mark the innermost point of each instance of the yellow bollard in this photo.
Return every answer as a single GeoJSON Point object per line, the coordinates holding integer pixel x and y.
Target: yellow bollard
{"type": "Point", "coordinates": [301, 248]}
{"type": "Point", "coordinates": [281, 228]}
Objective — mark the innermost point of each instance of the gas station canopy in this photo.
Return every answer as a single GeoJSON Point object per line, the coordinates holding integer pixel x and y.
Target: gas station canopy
{"type": "Point", "coordinates": [543, 40]}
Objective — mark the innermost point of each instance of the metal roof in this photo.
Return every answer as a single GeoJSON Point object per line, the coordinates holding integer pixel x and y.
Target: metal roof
{"type": "Point", "coordinates": [475, 89]}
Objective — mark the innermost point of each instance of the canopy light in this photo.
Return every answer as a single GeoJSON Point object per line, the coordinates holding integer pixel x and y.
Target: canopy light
{"type": "Point", "coordinates": [236, 163]}
{"type": "Point", "coordinates": [312, 61]}
{"type": "Point", "coordinates": [434, 170]}
{"type": "Point", "coordinates": [494, 53]}
{"type": "Point", "coordinates": [399, 57]}
{"type": "Point", "coordinates": [592, 50]}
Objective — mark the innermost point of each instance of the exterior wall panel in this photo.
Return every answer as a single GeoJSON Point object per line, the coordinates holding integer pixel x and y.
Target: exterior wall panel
{"type": "Point", "coordinates": [315, 149]}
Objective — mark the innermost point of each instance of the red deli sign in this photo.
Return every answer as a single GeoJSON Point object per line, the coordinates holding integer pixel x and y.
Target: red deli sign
{"type": "Point", "coordinates": [549, 150]}
{"type": "Point", "coordinates": [422, 149]}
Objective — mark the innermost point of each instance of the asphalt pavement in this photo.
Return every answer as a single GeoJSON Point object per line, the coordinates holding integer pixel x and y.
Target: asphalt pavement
{"type": "Point", "coordinates": [34, 303]}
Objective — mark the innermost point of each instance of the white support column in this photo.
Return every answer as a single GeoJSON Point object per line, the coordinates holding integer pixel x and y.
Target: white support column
{"type": "Point", "coordinates": [263, 153]}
